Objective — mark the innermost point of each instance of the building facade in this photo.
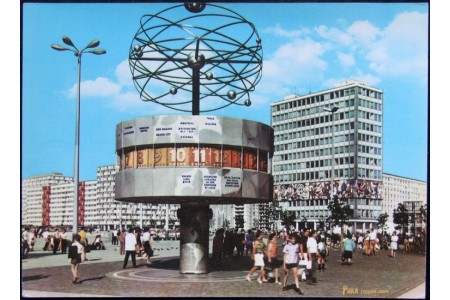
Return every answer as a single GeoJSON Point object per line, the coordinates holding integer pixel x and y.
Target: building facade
{"type": "Point", "coordinates": [398, 189]}
{"type": "Point", "coordinates": [48, 200]}
{"type": "Point", "coordinates": [329, 144]}
{"type": "Point", "coordinates": [225, 215]}
{"type": "Point", "coordinates": [33, 193]}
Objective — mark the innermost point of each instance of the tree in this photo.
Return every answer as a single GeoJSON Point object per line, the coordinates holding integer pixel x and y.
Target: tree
{"type": "Point", "coordinates": [401, 216]}
{"type": "Point", "coordinates": [340, 213]}
{"type": "Point", "coordinates": [226, 224]}
{"type": "Point", "coordinates": [423, 214]}
{"type": "Point", "coordinates": [382, 220]}
{"type": "Point", "coordinates": [287, 219]}
{"type": "Point", "coordinates": [273, 212]}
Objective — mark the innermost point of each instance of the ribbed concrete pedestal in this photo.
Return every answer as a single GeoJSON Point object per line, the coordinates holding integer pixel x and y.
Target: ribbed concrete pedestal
{"type": "Point", "coordinates": [194, 238]}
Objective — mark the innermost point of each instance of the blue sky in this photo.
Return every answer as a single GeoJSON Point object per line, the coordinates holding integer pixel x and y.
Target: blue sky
{"type": "Point", "coordinates": [307, 47]}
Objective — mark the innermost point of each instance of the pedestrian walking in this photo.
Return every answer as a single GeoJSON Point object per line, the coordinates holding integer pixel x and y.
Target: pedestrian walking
{"type": "Point", "coordinates": [249, 237]}
{"type": "Point", "coordinates": [367, 243]}
{"type": "Point", "coordinates": [130, 248]}
{"type": "Point", "coordinates": [122, 241]}
{"type": "Point", "coordinates": [290, 262]}
{"type": "Point", "coordinates": [139, 247]}
{"type": "Point", "coordinates": [56, 241]}
{"type": "Point", "coordinates": [348, 247]}
{"type": "Point", "coordinates": [360, 242]}
{"type": "Point", "coordinates": [322, 254]}
{"type": "Point", "coordinates": [114, 240]}
{"type": "Point", "coordinates": [31, 238]}
{"type": "Point", "coordinates": [76, 254]}
{"type": "Point", "coordinates": [274, 262]}
{"type": "Point", "coordinates": [373, 241]}
{"type": "Point", "coordinates": [394, 244]}
{"type": "Point", "coordinates": [84, 242]}
{"type": "Point", "coordinates": [65, 241]}
{"type": "Point", "coordinates": [313, 253]}
{"type": "Point", "coordinates": [147, 246]}
{"type": "Point", "coordinates": [259, 248]}
{"type": "Point", "coordinates": [304, 258]}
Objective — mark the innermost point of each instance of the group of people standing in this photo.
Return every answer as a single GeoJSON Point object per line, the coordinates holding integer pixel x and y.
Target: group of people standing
{"type": "Point", "coordinates": [225, 242]}
{"type": "Point", "coordinates": [371, 242]}
{"type": "Point", "coordinates": [307, 249]}
{"type": "Point", "coordinates": [56, 240]}
{"type": "Point", "coordinates": [136, 242]}
{"type": "Point", "coordinates": [132, 243]}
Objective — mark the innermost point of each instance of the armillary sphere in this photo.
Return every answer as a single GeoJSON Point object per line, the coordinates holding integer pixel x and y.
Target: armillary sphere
{"type": "Point", "coordinates": [192, 53]}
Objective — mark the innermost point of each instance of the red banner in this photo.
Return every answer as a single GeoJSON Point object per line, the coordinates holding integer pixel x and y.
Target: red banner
{"type": "Point", "coordinates": [46, 191]}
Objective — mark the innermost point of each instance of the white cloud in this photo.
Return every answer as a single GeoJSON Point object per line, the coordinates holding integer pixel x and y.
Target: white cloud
{"type": "Point", "coordinates": [346, 60]}
{"type": "Point", "coordinates": [295, 61]}
{"type": "Point", "coordinates": [289, 67]}
{"type": "Point", "coordinates": [123, 74]}
{"type": "Point", "coordinates": [279, 31]}
{"type": "Point", "coordinates": [100, 87]}
{"type": "Point", "coordinates": [402, 48]}
{"type": "Point", "coordinates": [367, 78]}
{"type": "Point", "coordinates": [363, 51]}
{"type": "Point", "coordinates": [131, 102]}
{"type": "Point", "coordinates": [363, 32]}
{"type": "Point", "coordinates": [334, 35]}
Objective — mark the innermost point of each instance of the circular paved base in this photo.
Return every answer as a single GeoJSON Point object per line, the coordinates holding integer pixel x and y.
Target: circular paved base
{"type": "Point", "coordinates": [161, 275]}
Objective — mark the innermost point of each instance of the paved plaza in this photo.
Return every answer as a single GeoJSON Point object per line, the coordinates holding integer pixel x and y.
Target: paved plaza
{"type": "Point", "coordinates": [47, 275]}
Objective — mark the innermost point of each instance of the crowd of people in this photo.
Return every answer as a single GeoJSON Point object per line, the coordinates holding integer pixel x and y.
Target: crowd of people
{"type": "Point", "coordinates": [298, 255]}
{"type": "Point", "coordinates": [284, 255]}
{"type": "Point", "coordinates": [57, 240]}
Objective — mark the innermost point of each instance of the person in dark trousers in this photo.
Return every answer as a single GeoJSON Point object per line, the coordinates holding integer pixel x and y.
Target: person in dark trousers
{"type": "Point", "coordinates": [56, 241]}
{"type": "Point", "coordinates": [130, 248]}
{"type": "Point", "coordinates": [313, 253]}
{"type": "Point", "coordinates": [114, 239]}
{"type": "Point", "coordinates": [217, 247]}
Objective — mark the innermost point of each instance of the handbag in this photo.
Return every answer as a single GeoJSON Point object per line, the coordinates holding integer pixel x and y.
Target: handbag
{"type": "Point", "coordinates": [73, 252]}
{"type": "Point", "coordinates": [305, 263]}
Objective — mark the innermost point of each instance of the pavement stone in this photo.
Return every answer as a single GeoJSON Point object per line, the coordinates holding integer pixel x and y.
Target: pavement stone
{"type": "Point", "coordinates": [47, 275]}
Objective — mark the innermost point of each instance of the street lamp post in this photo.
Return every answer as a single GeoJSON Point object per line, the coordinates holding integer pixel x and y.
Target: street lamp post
{"type": "Point", "coordinates": [332, 111]}
{"type": "Point", "coordinates": [78, 54]}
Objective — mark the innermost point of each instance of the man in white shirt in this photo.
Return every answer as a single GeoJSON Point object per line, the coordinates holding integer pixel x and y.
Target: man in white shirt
{"type": "Point", "coordinates": [114, 240]}
{"type": "Point", "coordinates": [64, 241]}
{"type": "Point", "coordinates": [25, 244]}
{"type": "Point", "coordinates": [146, 243]}
{"type": "Point", "coordinates": [313, 253]}
{"type": "Point", "coordinates": [130, 248]}
{"type": "Point", "coordinates": [56, 241]}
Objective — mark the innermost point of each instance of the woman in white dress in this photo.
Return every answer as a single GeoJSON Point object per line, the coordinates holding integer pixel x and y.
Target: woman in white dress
{"type": "Point", "coordinates": [394, 244]}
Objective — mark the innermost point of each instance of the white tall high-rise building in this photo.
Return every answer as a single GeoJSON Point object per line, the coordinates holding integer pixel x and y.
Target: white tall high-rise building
{"type": "Point", "coordinates": [48, 200]}
{"type": "Point", "coordinates": [398, 189]}
{"type": "Point", "coordinates": [329, 144]}
{"type": "Point", "coordinates": [32, 195]}
{"type": "Point", "coordinates": [229, 212]}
